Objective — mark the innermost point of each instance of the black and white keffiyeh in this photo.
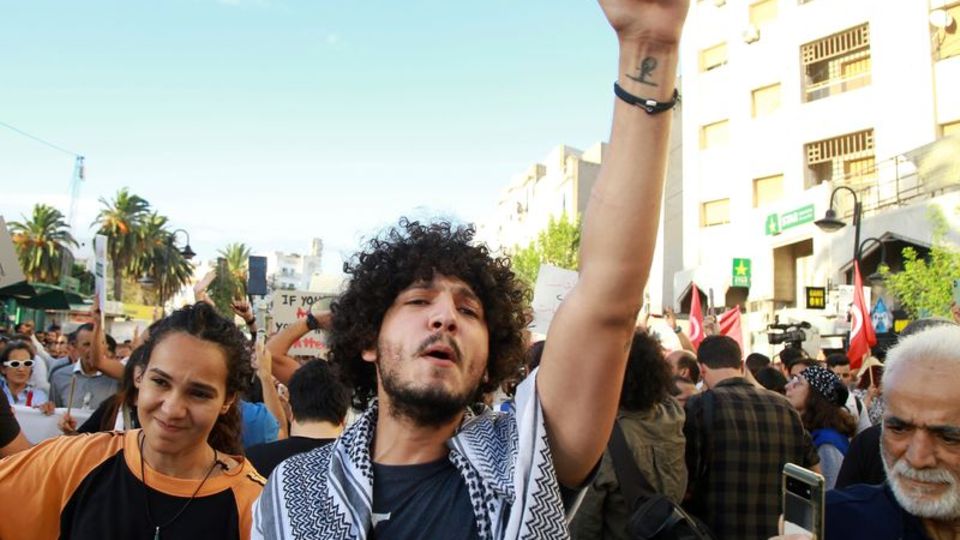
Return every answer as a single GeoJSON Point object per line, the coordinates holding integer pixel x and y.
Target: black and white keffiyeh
{"type": "Point", "coordinates": [504, 459]}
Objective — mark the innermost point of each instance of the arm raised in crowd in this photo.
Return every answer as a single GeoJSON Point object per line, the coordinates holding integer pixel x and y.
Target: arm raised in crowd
{"type": "Point", "coordinates": [271, 398]}
{"type": "Point", "coordinates": [284, 366]}
{"type": "Point", "coordinates": [98, 358]}
{"type": "Point", "coordinates": [586, 349]}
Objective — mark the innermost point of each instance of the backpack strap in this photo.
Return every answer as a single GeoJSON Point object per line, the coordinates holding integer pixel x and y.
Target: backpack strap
{"type": "Point", "coordinates": [633, 484]}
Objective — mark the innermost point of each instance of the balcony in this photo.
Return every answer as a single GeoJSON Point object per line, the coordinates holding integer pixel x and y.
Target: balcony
{"type": "Point", "coordinates": [928, 171]}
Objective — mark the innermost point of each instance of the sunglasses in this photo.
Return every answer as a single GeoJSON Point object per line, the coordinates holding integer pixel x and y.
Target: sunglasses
{"type": "Point", "coordinates": [18, 363]}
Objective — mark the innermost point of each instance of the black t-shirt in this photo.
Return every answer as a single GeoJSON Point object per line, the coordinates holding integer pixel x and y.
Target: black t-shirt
{"type": "Point", "coordinates": [9, 428]}
{"type": "Point", "coordinates": [425, 501]}
{"type": "Point", "coordinates": [862, 463]}
{"type": "Point", "coordinates": [266, 457]}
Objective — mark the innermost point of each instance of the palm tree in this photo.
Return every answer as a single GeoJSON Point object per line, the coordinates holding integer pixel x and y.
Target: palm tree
{"type": "Point", "coordinates": [159, 258]}
{"type": "Point", "coordinates": [41, 242]}
{"type": "Point", "coordinates": [237, 255]}
{"type": "Point", "coordinates": [120, 221]}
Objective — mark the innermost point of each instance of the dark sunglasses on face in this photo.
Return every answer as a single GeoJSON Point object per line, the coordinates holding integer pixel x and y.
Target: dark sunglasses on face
{"type": "Point", "coordinates": [18, 363]}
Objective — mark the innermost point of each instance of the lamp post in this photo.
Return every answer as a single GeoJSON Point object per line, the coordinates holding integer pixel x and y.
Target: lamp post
{"type": "Point", "coordinates": [876, 276]}
{"type": "Point", "coordinates": [186, 252]}
{"type": "Point", "coordinates": [831, 223]}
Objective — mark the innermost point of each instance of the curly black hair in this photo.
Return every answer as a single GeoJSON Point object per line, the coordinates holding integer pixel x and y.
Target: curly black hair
{"type": "Point", "coordinates": [411, 252]}
{"type": "Point", "coordinates": [647, 380]}
{"type": "Point", "coordinates": [202, 321]}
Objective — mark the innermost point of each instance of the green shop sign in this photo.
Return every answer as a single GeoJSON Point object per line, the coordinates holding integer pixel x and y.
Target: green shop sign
{"type": "Point", "coordinates": [741, 273]}
{"type": "Point", "coordinates": [777, 223]}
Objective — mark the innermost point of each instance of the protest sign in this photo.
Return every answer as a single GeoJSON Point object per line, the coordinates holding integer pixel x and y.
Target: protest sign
{"type": "Point", "coordinates": [291, 306]}
{"type": "Point", "coordinates": [10, 271]}
{"type": "Point", "coordinates": [37, 426]}
{"type": "Point", "coordinates": [553, 285]}
{"type": "Point", "coordinates": [100, 271]}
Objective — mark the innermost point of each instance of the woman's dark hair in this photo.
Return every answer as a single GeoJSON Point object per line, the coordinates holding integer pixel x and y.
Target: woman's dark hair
{"type": "Point", "coordinates": [819, 413]}
{"type": "Point", "coordinates": [413, 252]}
{"type": "Point", "coordinates": [202, 321]}
{"type": "Point", "coordinates": [647, 380]}
{"type": "Point", "coordinates": [772, 378]}
{"type": "Point", "coordinates": [127, 394]}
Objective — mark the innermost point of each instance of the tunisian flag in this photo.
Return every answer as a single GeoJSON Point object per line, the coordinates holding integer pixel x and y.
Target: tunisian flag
{"type": "Point", "coordinates": [730, 326]}
{"type": "Point", "coordinates": [862, 336]}
{"type": "Point", "coordinates": [696, 317]}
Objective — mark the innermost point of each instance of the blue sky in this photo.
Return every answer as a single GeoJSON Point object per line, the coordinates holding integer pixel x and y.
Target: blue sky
{"type": "Point", "coordinates": [274, 121]}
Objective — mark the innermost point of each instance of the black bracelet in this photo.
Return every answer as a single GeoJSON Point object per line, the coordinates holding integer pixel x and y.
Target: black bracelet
{"type": "Point", "coordinates": [652, 106]}
{"type": "Point", "coordinates": [312, 323]}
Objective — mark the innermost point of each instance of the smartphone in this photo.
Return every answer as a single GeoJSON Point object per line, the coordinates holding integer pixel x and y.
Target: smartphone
{"type": "Point", "coordinates": [803, 501]}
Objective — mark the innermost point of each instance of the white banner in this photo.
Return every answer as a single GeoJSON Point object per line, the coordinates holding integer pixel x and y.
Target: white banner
{"type": "Point", "coordinates": [10, 271]}
{"type": "Point", "coordinates": [291, 306]}
{"type": "Point", "coordinates": [553, 285]}
{"type": "Point", "coordinates": [37, 426]}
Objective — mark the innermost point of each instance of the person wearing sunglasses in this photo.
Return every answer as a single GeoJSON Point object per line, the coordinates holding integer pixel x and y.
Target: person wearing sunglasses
{"type": "Point", "coordinates": [16, 366]}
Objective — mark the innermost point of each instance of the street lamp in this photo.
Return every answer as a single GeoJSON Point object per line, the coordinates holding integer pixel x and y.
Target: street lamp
{"type": "Point", "coordinates": [875, 277]}
{"type": "Point", "coordinates": [186, 252]}
{"type": "Point", "coordinates": [831, 223]}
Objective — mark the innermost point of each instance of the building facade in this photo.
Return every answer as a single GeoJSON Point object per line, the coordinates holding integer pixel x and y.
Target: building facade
{"type": "Point", "coordinates": [292, 271]}
{"type": "Point", "coordinates": [784, 102]}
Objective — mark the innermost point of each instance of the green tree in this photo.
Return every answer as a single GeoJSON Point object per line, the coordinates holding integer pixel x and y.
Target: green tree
{"type": "Point", "coordinates": [120, 221]}
{"type": "Point", "coordinates": [86, 277]}
{"type": "Point", "coordinates": [237, 256]}
{"type": "Point", "coordinates": [41, 241]}
{"type": "Point", "coordinates": [231, 280]}
{"type": "Point", "coordinates": [924, 286]}
{"type": "Point", "coordinates": [558, 244]}
{"type": "Point", "coordinates": [160, 259]}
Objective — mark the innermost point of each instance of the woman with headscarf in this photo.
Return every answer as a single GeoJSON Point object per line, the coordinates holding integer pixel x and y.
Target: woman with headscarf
{"type": "Point", "coordinates": [819, 395]}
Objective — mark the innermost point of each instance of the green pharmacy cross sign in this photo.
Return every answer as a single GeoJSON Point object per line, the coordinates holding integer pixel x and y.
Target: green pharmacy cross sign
{"type": "Point", "coordinates": [741, 273]}
{"type": "Point", "coordinates": [776, 223]}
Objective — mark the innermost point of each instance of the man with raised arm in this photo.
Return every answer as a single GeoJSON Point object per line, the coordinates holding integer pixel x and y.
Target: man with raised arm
{"type": "Point", "coordinates": [431, 320]}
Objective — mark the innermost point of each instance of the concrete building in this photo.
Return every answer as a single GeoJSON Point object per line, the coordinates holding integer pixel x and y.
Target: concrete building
{"type": "Point", "coordinates": [559, 184]}
{"type": "Point", "coordinates": [787, 100]}
{"type": "Point", "coordinates": [292, 271]}
{"type": "Point", "coordinates": [562, 182]}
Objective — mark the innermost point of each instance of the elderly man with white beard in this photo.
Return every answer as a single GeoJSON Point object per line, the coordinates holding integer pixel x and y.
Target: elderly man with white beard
{"type": "Point", "coordinates": [920, 448]}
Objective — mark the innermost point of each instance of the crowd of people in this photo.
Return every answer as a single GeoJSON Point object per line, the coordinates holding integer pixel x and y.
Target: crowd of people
{"type": "Point", "coordinates": [433, 415]}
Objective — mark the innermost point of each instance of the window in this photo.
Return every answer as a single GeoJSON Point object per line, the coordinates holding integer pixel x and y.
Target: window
{"type": "Point", "coordinates": [950, 128]}
{"type": "Point", "coordinates": [767, 190]}
{"type": "Point", "coordinates": [763, 12]}
{"type": "Point", "coordinates": [946, 41]}
{"type": "Point", "coordinates": [837, 63]}
{"type": "Point", "coordinates": [713, 57]}
{"type": "Point", "coordinates": [766, 100]}
{"type": "Point", "coordinates": [847, 157]}
{"type": "Point", "coordinates": [715, 213]}
{"type": "Point", "coordinates": [715, 134]}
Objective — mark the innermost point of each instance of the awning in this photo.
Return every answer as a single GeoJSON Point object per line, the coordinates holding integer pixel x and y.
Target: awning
{"type": "Point", "coordinates": [41, 296]}
{"type": "Point", "coordinates": [21, 289]}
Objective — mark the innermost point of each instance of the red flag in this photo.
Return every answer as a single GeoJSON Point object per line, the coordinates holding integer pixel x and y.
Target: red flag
{"type": "Point", "coordinates": [696, 317]}
{"type": "Point", "coordinates": [730, 326]}
{"type": "Point", "coordinates": [862, 336]}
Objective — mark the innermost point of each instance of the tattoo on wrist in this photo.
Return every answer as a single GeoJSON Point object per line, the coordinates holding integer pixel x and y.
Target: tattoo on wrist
{"type": "Point", "coordinates": [645, 71]}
